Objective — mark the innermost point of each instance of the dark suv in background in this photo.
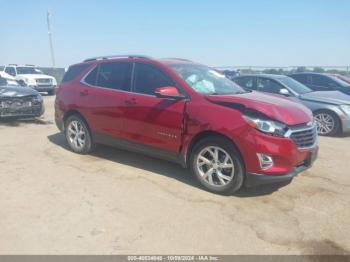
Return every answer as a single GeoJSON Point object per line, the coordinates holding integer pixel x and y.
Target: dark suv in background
{"type": "Point", "coordinates": [322, 82]}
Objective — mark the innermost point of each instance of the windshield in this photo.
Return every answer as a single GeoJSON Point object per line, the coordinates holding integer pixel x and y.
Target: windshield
{"type": "Point", "coordinates": [27, 70]}
{"type": "Point", "coordinates": [297, 87]}
{"type": "Point", "coordinates": [206, 80]}
{"type": "Point", "coordinates": [340, 82]}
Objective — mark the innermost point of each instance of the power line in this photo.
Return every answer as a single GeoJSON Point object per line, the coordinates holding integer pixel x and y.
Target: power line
{"type": "Point", "coordinates": [48, 17]}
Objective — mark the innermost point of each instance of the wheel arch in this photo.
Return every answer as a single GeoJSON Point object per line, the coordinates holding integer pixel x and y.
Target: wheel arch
{"type": "Point", "coordinates": [71, 113]}
{"type": "Point", "coordinates": [327, 110]}
{"type": "Point", "coordinates": [209, 133]}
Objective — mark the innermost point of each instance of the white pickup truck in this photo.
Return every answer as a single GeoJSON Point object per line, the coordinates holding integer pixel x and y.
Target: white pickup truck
{"type": "Point", "coordinates": [29, 75]}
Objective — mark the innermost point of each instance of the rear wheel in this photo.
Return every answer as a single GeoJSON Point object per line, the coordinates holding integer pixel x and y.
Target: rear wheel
{"type": "Point", "coordinates": [217, 165]}
{"type": "Point", "coordinates": [78, 135]}
{"type": "Point", "coordinates": [328, 123]}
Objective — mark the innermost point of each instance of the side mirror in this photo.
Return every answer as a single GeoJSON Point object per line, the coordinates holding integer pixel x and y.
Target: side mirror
{"type": "Point", "coordinates": [284, 92]}
{"type": "Point", "coordinates": [168, 92]}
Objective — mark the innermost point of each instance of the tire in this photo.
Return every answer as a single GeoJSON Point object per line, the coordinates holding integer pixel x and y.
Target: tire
{"type": "Point", "coordinates": [79, 142]}
{"type": "Point", "coordinates": [328, 123]}
{"type": "Point", "coordinates": [51, 92]}
{"type": "Point", "coordinates": [233, 177]}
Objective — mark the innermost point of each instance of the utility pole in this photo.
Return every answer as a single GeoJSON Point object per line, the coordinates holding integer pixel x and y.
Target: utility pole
{"type": "Point", "coordinates": [48, 17]}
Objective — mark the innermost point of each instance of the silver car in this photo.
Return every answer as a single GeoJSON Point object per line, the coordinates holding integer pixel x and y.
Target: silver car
{"type": "Point", "coordinates": [331, 108]}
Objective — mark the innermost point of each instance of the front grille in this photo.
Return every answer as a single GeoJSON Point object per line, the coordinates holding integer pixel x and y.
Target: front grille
{"type": "Point", "coordinates": [44, 81]}
{"type": "Point", "coordinates": [22, 106]}
{"type": "Point", "coordinates": [304, 137]}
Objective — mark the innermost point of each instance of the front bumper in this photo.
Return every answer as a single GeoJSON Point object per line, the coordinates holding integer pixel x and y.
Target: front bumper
{"type": "Point", "coordinates": [22, 112]}
{"type": "Point", "coordinates": [253, 179]}
{"type": "Point", "coordinates": [345, 124]}
{"type": "Point", "coordinates": [43, 88]}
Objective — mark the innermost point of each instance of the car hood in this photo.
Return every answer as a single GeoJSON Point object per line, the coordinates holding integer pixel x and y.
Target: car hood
{"type": "Point", "coordinates": [275, 107]}
{"type": "Point", "coordinates": [328, 97]}
{"type": "Point", "coordinates": [10, 91]}
{"type": "Point", "coordinates": [6, 76]}
{"type": "Point", "coordinates": [35, 76]}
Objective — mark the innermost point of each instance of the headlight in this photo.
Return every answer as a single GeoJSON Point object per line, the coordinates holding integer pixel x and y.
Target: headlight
{"type": "Point", "coordinates": [346, 109]}
{"type": "Point", "coordinates": [30, 81]}
{"type": "Point", "coordinates": [38, 99]}
{"type": "Point", "coordinates": [270, 127]}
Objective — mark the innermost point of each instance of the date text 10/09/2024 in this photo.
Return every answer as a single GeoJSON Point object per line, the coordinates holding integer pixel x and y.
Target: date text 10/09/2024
{"type": "Point", "coordinates": [173, 258]}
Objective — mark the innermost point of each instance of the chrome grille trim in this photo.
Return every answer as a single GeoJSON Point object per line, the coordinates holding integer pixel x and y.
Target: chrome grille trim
{"type": "Point", "coordinates": [304, 137]}
{"type": "Point", "coordinates": [43, 81]}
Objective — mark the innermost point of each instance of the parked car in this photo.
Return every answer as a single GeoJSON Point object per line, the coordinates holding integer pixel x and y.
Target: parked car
{"type": "Point", "coordinates": [230, 74]}
{"type": "Point", "coordinates": [19, 102]}
{"type": "Point", "coordinates": [7, 79]}
{"type": "Point", "coordinates": [343, 78]}
{"type": "Point", "coordinates": [29, 75]}
{"type": "Point", "coordinates": [331, 109]}
{"type": "Point", "coordinates": [188, 113]}
{"type": "Point", "coordinates": [322, 82]}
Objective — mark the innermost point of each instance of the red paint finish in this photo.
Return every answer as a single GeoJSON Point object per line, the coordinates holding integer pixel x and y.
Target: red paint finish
{"type": "Point", "coordinates": [172, 124]}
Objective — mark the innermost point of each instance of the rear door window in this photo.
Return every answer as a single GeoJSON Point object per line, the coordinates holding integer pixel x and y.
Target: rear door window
{"type": "Point", "coordinates": [91, 78]}
{"type": "Point", "coordinates": [323, 82]}
{"type": "Point", "coordinates": [112, 75]}
{"type": "Point", "coordinates": [300, 78]}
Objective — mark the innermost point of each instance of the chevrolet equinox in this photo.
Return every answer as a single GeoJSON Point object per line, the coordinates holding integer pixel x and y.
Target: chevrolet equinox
{"type": "Point", "coordinates": [187, 113]}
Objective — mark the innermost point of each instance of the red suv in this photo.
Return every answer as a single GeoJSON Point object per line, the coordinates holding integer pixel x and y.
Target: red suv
{"type": "Point", "coordinates": [188, 113]}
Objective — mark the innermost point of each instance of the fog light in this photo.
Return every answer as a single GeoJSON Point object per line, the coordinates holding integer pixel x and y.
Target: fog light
{"type": "Point", "coordinates": [265, 161]}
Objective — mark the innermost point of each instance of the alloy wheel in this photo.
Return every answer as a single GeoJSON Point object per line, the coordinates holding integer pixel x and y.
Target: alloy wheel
{"type": "Point", "coordinates": [76, 134]}
{"type": "Point", "coordinates": [325, 123]}
{"type": "Point", "coordinates": [215, 166]}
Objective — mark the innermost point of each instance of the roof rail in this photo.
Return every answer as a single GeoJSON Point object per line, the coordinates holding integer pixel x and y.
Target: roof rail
{"type": "Point", "coordinates": [181, 59]}
{"type": "Point", "coordinates": [115, 56]}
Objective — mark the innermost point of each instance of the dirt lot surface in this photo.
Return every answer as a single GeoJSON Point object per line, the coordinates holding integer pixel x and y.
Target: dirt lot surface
{"type": "Point", "coordinates": [53, 201]}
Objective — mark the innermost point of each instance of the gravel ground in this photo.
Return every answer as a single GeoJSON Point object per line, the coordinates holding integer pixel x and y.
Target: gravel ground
{"type": "Point", "coordinates": [116, 202]}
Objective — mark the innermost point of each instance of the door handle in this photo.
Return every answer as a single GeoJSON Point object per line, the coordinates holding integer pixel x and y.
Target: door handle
{"type": "Point", "coordinates": [84, 93]}
{"type": "Point", "coordinates": [131, 101]}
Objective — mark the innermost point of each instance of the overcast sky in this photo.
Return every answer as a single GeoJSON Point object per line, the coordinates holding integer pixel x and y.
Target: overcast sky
{"type": "Point", "coordinates": [218, 33]}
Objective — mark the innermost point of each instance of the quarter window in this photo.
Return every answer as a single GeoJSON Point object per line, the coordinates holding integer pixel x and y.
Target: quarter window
{"type": "Point", "coordinates": [73, 72]}
{"type": "Point", "coordinates": [148, 79]}
{"type": "Point", "coordinates": [114, 75]}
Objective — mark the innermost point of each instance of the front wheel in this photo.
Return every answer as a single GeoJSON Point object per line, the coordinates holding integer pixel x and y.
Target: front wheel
{"type": "Point", "coordinates": [328, 123]}
{"type": "Point", "coordinates": [78, 135]}
{"type": "Point", "coordinates": [217, 165]}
